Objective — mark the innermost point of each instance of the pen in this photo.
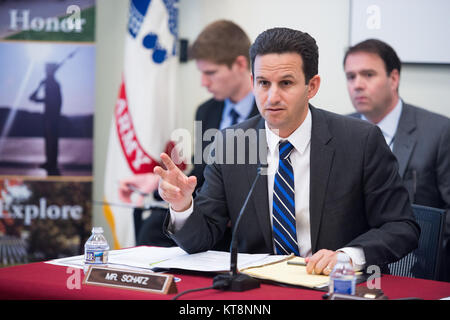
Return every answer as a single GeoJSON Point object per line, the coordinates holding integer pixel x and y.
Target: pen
{"type": "Point", "coordinates": [297, 263]}
{"type": "Point", "coordinates": [153, 263]}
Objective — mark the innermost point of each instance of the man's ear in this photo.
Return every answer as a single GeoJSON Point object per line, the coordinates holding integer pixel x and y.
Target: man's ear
{"type": "Point", "coordinates": [395, 79]}
{"type": "Point", "coordinates": [241, 63]}
{"type": "Point", "coordinates": [313, 86]}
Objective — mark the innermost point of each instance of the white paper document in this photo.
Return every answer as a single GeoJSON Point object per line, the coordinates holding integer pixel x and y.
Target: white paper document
{"type": "Point", "coordinates": [173, 258]}
{"type": "Point", "coordinates": [136, 257]}
{"type": "Point", "coordinates": [213, 261]}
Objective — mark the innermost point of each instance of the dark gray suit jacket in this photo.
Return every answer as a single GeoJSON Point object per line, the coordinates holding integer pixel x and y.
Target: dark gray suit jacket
{"type": "Point", "coordinates": [356, 195]}
{"type": "Point", "coordinates": [422, 148]}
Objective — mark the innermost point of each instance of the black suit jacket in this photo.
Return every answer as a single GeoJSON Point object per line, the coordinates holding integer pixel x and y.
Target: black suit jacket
{"type": "Point", "coordinates": [356, 195]}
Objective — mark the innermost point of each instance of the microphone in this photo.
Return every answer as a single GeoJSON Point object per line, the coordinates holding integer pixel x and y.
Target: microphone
{"type": "Point", "coordinates": [233, 281]}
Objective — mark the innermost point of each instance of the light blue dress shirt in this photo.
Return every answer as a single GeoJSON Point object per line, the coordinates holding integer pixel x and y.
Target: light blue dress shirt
{"type": "Point", "coordinates": [389, 124]}
{"type": "Point", "coordinates": [243, 108]}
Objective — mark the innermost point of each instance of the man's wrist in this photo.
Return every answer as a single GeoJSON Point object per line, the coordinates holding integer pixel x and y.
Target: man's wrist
{"type": "Point", "coordinates": [177, 219]}
{"type": "Point", "coordinates": [356, 255]}
{"type": "Point", "coordinates": [182, 208]}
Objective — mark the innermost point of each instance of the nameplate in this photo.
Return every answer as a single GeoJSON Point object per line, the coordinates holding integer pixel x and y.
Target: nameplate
{"type": "Point", "coordinates": [125, 279]}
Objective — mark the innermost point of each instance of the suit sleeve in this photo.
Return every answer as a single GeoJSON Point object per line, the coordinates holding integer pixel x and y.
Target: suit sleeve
{"type": "Point", "coordinates": [207, 224]}
{"type": "Point", "coordinates": [198, 169]}
{"type": "Point", "coordinates": [393, 230]}
{"type": "Point", "coordinates": [443, 174]}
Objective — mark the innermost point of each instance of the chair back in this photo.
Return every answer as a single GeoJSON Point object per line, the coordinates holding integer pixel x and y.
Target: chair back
{"type": "Point", "coordinates": [424, 261]}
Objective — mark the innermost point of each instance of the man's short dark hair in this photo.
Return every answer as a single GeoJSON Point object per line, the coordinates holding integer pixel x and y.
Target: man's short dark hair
{"type": "Point", "coordinates": [285, 40]}
{"type": "Point", "coordinates": [221, 42]}
{"type": "Point", "coordinates": [381, 49]}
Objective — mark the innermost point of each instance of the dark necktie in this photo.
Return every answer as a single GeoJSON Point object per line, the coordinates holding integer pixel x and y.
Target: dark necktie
{"type": "Point", "coordinates": [234, 116]}
{"type": "Point", "coordinates": [283, 213]}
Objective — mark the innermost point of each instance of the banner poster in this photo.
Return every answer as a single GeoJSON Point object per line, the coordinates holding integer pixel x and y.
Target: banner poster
{"type": "Point", "coordinates": [47, 97]}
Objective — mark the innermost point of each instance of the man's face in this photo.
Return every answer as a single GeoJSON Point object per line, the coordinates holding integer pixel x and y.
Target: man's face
{"type": "Point", "coordinates": [220, 80]}
{"type": "Point", "coordinates": [281, 92]}
{"type": "Point", "coordinates": [373, 92]}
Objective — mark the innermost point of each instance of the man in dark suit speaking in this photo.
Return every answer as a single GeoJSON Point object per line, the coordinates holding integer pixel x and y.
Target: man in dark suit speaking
{"type": "Point", "coordinates": [332, 183]}
{"type": "Point", "coordinates": [419, 139]}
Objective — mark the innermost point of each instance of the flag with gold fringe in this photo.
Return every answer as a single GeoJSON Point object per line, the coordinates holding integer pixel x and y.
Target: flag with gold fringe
{"type": "Point", "coordinates": [144, 114]}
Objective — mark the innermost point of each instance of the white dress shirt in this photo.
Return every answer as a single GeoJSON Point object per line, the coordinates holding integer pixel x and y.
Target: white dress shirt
{"type": "Point", "coordinates": [301, 140]}
{"type": "Point", "coordinates": [300, 159]}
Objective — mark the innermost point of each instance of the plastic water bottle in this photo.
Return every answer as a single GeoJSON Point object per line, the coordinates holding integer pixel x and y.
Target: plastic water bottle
{"type": "Point", "coordinates": [96, 249]}
{"type": "Point", "coordinates": [342, 278]}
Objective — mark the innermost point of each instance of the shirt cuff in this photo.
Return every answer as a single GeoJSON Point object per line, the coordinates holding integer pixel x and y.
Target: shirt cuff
{"type": "Point", "coordinates": [357, 255]}
{"type": "Point", "coordinates": [178, 219]}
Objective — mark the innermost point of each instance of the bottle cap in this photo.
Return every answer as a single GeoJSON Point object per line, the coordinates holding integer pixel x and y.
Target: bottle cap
{"type": "Point", "coordinates": [97, 230]}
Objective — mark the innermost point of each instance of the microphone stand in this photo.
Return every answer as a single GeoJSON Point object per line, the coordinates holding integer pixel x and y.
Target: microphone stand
{"type": "Point", "coordinates": [234, 281]}
{"type": "Point", "coordinates": [151, 206]}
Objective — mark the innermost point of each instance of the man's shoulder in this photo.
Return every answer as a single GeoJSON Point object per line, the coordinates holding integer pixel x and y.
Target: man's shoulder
{"type": "Point", "coordinates": [208, 104]}
{"type": "Point", "coordinates": [333, 119]}
{"type": "Point", "coordinates": [354, 115]}
{"type": "Point", "coordinates": [427, 117]}
{"type": "Point", "coordinates": [255, 122]}
{"type": "Point", "coordinates": [209, 108]}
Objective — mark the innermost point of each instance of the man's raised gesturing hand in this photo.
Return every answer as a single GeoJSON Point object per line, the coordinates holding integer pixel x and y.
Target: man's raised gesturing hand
{"type": "Point", "coordinates": [174, 186]}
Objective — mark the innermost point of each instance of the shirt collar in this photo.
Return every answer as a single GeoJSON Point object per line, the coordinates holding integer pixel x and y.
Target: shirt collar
{"type": "Point", "coordinates": [389, 123]}
{"type": "Point", "coordinates": [243, 107]}
{"type": "Point", "coordinates": [300, 138]}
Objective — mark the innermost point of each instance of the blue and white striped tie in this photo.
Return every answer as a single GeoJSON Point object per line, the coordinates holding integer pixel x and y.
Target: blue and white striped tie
{"type": "Point", "coordinates": [283, 213]}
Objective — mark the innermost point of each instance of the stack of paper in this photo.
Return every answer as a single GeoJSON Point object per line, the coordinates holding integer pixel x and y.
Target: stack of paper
{"type": "Point", "coordinates": [137, 257]}
{"type": "Point", "coordinates": [283, 272]}
{"type": "Point", "coordinates": [173, 258]}
{"type": "Point", "coordinates": [216, 261]}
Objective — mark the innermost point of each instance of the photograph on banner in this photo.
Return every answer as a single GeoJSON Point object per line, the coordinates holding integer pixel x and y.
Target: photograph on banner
{"type": "Point", "coordinates": [46, 108]}
{"type": "Point", "coordinates": [43, 219]}
{"type": "Point", "coordinates": [48, 94]}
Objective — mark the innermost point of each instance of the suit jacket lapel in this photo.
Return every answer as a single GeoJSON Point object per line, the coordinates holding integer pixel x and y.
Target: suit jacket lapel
{"type": "Point", "coordinates": [321, 160]}
{"type": "Point", "coordinates": [260, 197]}
{"type": "Point", "coordinates": [254, 111]}
{"type": "Point", "coordinates": [405, 138]}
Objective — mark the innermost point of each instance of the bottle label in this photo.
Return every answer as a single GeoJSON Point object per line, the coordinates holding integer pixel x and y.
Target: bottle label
{"type": "Point", "coordinates": [343, 286]}
{"type": "Point", "coordinates": [96, 257]}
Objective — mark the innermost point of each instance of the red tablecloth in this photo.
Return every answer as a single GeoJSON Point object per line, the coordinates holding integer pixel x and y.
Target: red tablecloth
{"type": "Point", "coordinates": [45, 281]}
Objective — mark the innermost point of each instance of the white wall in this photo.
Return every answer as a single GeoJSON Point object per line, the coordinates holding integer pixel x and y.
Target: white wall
{"type": "Point", "coordinates": [111, 18]}
{"type": "Point", "coordinates": [326, 20]}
